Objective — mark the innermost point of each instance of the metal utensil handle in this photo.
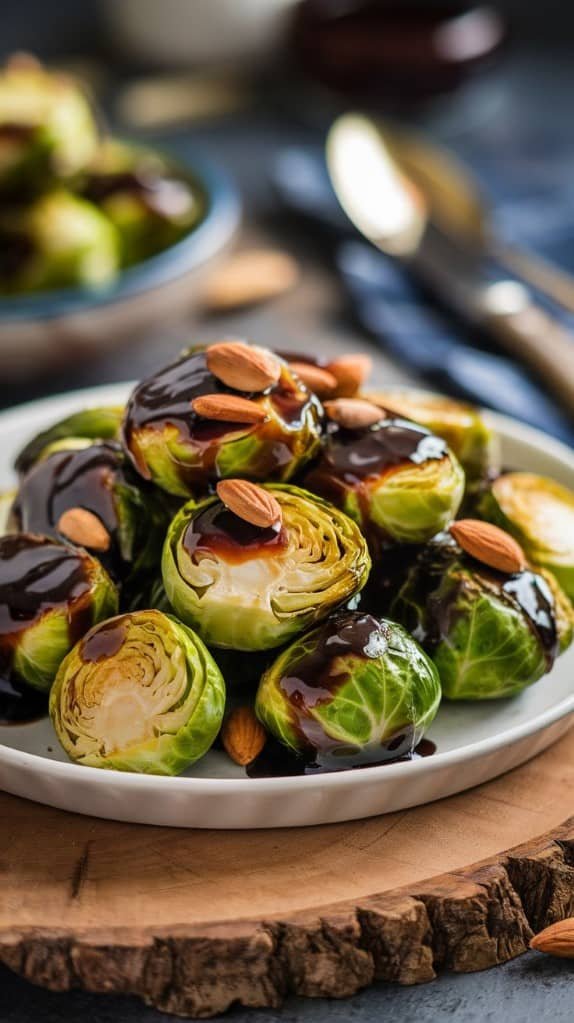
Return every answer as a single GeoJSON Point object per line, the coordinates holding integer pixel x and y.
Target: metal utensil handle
{"type": "Point", "coordinates": [532, 335]}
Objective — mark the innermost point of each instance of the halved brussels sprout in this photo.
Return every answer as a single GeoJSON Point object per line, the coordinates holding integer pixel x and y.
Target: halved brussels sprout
{"type": "Point", "coordinates": [50, 595]}
{"type": "Point", "coordinates": [396, 479]}
{"type": "Point", "coordinates": [183, 452]}
{"type": "Point", "coordinates": [249, 588]}
{"type": "Point", "coordinates": [540, 513]}
{"type": "Point", "coordinates": [138, 693]}
{"type": "Point", "coordinates": [57, 241]}
{"type": "Point", "coordinates": [150, 206]}
{"type": "Point", "coordinates": [489, 634]}
{"type": "Point", "coordinates": [356, 689]}
{"type": "Point", "coordinates": [132, 517]}
{"type": "Point", "coordinates": [47, 130]}
{"type": "Point", "coordinates": [461, 425]}
{"type": "Point", "coordinates": [86, 426]}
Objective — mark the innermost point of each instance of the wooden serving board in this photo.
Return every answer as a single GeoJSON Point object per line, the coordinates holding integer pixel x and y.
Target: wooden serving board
{"type": "Point", "coordinates": [193, 921]}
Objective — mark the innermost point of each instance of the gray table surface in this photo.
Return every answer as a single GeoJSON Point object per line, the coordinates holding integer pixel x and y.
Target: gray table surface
{"type": "Point", "coordinates": [532, 988]}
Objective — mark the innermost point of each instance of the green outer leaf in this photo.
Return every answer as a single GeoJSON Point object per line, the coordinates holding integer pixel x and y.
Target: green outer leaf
{"type": "Point", "coordinates": [42, 646]}
{"type": "Point", "coordinates": [384, 695]}
{"type": "Point", "coordinates": [226, 623]}
{"type": "Point", "coordinates": [167, 753]}
{"type": "Point", "coordinates": [90, 424]}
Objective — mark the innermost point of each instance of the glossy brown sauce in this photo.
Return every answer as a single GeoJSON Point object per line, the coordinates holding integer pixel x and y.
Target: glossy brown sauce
{"type": "Point", "coordinates": [217, 530]}
{"type": "Point", "coordinates": [36, 576]}
{"type": "Point", "coordinates": [73, 479]}
{"type": "Point", "coordinates": [276, 761]}
{"type": "Point", "coordinates": [106, 640]}
{"type": "Point", "coordinates": [165, 400]}
{"type": "Point", "coordinates": [353, 455]}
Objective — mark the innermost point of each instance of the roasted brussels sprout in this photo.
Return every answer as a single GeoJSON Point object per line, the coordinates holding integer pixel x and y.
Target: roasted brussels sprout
{"type": "Point", "coordinates": [138, 693]}
{"type": "Point", "coordinates": [183, 446]}
{"type": "Point", "coordinates": [92, 497]}
{"type": "Point", "coordinates": [50, 595]}
{"type": "Point", "coordinates": [251, 588]}
{"type": "Point", "coordinates": [150, 207]}
{"type": "Point", "coordinates": [540, 513]}
{"type": "Point", "coordinates": [461, 425]}
{"type": "Point", "coordinates": [76, 431]}
{"type": "Point", "coordinates": [47, 130]}
{"type": "Point", "coordinates": [57, 241]}
{"type": "Point", "coordinates": [395, 478]}
{"type": "Point", "coordinates": [356, 689]}
{"type": "Point", "coordinates": [489, 633]}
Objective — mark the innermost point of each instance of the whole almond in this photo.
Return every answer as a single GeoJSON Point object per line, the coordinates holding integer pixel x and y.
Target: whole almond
{"type": "Point", "coordinates": [353, 413]}
{"type": "Point", "coordinates": [83, 528]}
{"type": "Point", "coordinates": [489, 544]}
{"type": "Point", "coordinates": [250, 277]}
{"type": "Point", "coordinates": [243, 367]}
{"type": "Point", "coordinates": [350, 372]}
{"type": "Point", "coordinates": [250, 502]}
{"type": "Point", "coordinates": [243, 735]}
{"type": "Point", "coordinates": [556, 940]}
{"type": "Point", "coordinates": [228, 408]}
{"type": "Point", "coordinates": [318, 380]}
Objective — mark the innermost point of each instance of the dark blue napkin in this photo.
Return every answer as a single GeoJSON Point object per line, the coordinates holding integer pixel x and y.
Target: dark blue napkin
{"type": "Point", "coordinates": [406, 322]}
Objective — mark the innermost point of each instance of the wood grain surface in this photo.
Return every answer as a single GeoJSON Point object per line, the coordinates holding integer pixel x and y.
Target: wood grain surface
{"type": "Point", "coordinates": [193, 921]}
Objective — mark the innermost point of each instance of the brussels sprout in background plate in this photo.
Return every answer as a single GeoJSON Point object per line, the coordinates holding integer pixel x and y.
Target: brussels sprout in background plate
{"type": "Point", "coordinates": [89, 425]}
{"type": "Point", "coordinates": [462, 425]}
{"type": "Point", "coordinates": [138, 693]}
{"type": "Point", "coordinates": [183, 452]}
{"type": "Point", "coordinates": [58, 241]}
{"type": "Point", "coordinates": [50, 595]}
{"type": "Point", "coordinates": [47, 128]}
{"type": "Point", "coordinates": [398, 480]}
{"type": "Point", "coordinates": [540, 513]}
{"type": "Point", "coordinates": [247, 588]}
{"type": "Point", "coordinates": [141, 195]}
{"type": "Point", "coordinates": [355, 690]}
{"type": "Point", "coordinates": [489, 634]}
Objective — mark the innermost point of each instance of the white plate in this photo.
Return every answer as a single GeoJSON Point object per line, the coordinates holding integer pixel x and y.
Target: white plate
{"type": "Point", "coordinates": [474, 742]}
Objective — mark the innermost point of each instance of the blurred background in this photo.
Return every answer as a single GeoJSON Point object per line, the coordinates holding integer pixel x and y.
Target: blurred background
{"type": "Point", "coordinates": [242, 96]}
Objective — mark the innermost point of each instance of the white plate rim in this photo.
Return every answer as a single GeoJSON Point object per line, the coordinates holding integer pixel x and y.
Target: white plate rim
{"type": "Point", "coordinates": [109, 393]}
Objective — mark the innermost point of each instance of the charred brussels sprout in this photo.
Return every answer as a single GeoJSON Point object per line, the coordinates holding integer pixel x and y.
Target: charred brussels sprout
{"type": "Point", "coordinates": [47, 130]}
{"type": "Point", "coordinates": [490, 634]}
{"type": "Point", "coordinates": [139, 693]}
{"type": "Point", "coordinates": [150, 207]}
{"type": "Point", "coordinates": [50, 595]}
{"type": "Point", "coordinates": [183, 450]}
{"type": "Point", "coordinates": [540, 513]}
{"type": "Point", "coordinates": [58, 241]}
{"type": "Point", "coordinates": [461, 425]}
{"type": "Point", "coordinates": [92, 497]}
{"type": "Point", "coordinates": [356, 689]}
{"type": "Point", "coordinates": [396, 479]}
{"type": "Point", "coordinates": [76, 431]}
{"type": "Point", "coordinates": [251, 588]}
